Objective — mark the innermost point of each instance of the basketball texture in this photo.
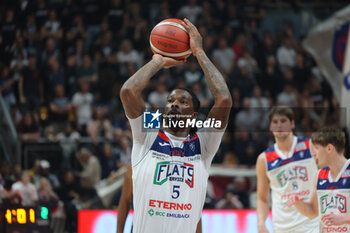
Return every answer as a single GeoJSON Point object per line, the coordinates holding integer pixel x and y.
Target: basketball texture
{"type": "Point", "coordinates": [169, 38]}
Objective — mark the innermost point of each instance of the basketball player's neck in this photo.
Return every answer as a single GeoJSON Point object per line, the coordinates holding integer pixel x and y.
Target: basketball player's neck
{"type": "Point", "coordinates": [178, 132]}
{"type": "Point", "coordinates": [336, 164]}
{"type": "Point", "coordinates": [285, 144]}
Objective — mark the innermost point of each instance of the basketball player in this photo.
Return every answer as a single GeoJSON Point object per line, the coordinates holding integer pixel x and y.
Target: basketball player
{"type": "Point", "coordinates": [330, 198]}
{"type": "Point", "coordinates": [170, 166]}
{"type": "Point", "coordinates": [288, 169]}
{"type": "Point", "coordinates": [126, 199]}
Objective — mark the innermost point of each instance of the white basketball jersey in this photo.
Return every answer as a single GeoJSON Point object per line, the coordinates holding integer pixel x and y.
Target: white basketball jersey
{"type": "Point", "coordinates": [170, 177]}
{"type": "Point", "coordinates": [333, 196]}
{"type": "Point", "coordinates": [294, 175]}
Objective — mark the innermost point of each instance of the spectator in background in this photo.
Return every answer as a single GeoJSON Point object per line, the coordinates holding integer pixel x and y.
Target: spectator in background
{"type": "Point", "coordinates": [99, 126]}
{"type": "Point", "coordinates": [30, 87]}
{"type": "Point", "coordinates": [10, 196]}
{"type": "Point", "coordinates": [50, 133]}
{"type": "Point", "coordinates": [239, 47]}
{"type": "Point", "coordinates": [109, 161]}
{"type": "Point", "coordinates": [286, 54]}
{"type": "Point", "coordinates": [265, 50]}
{"type": "Point", "coordinates": [31, 32]}
{"type": "Point", "coordinates": [46, 196]}
{"type": "Point", "coordinates": [270, 80]}
{"type": "Point", "coordinates": [87, 73]}
{"type": "Point", "coordinates": [82, 101]}
{"type": "Point", "coordinates": [229, 201]}
{"type": "Point", "coordinates": [75, 31]}
{"type": "Point", "coordinates": [68, 140]}
{"type": "Point", "coordinates": [115, 14]}
{"type": "Point", "coordinates": [28, 128]}
{"type": "Point", "coordinates": [192, 73]}
{"type": "Point", "coordinates": [44, 172]}
{"type": "Point", "coordinates": [127, 54]}
{"type": "Point", "coordinates": [201, 94]}
{"type": "Point", "coordinates": [124, 152]}
{"type": "Point", "coordinates": [302, 74]}
{"type": "Point", "coordinates": [246, 119]}
{"type": "Point", "coordinates": [68, 10]}
{"type": "Point", "coordinates": [260, 105]}
{"type": "Point", "coordinates": [51, 50]}
{"type": "Point", "coordinates": [91, 173]}
{"type": "Point", "coordinates": [105, 48]}
{"type": "Point", "coordinates": [28, 191]}
{"type": "Point", "coordinates": [9, 30]}
{"type": "Point", "coordinates": [242, 79]}
{"type": "Point", "coordinates": [55, 76]}
{"type": "Point", "coordinates": [158, 97]}
{"type": "Point", "coordinates": [6, 89]}
{"type": "Point", "coordinates": [244, 148]}
{"type": "Point", "coordinates": [52, 27]}
{"type": "Point", "coordinates": [69, 193]}
{"type": "Point", "coordinates": [41, 13]}
{"type": "Point", "coordinates": [287, 97]}
{"type": "Point", "coordinates": [190, 11]}
{"type": "Point", "coordinates": [17, 64]}
{"type": "Point", "coordinates": [60, 106]}
{"type": "Point", "coordinates": [17, 171]}
{"type": "Point", "coordinates": [224, 56]}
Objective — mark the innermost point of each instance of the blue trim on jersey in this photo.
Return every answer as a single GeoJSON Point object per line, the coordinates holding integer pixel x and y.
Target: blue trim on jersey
{"type": "Point", "coordinates": [190, 147]}
{"type": "Point", "coordinates": [342, 183]}
{"type": "Point", "coordinates": [297, 156]}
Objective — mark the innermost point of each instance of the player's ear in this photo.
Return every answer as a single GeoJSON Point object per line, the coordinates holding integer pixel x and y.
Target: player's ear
{"type": "Point", "coordinates": [329, 147]}
{"type": "Point", "coordinates": [293, 124]}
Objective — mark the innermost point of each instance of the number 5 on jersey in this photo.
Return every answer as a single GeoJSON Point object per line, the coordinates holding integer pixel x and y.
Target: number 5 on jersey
{"type": "Point", "coordinates": [176, 191]}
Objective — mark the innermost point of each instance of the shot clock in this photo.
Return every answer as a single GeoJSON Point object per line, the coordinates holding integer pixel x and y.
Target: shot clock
{"type": "Point", "coordinates": [24, 219]}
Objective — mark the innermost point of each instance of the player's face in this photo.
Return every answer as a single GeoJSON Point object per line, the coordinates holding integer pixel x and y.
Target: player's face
{"type": "Point", "coordinates": [281, 126]}
{"type": "Point", "coordinates": [320, 152]}
{"type": "Point", "coordinates": [179, 102]}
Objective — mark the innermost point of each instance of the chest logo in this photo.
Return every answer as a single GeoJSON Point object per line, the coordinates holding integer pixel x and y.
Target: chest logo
{"type": "Point", "coordinates": [174, 171]}
{"type": "Point", "coordinates": [291, 174]}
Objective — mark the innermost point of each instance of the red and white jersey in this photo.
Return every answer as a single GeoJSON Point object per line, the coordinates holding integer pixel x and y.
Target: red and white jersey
{"type": "Point", "coordinates": [170, 176]}
{"type": "Point", "coordinates": [290, 176]}
{"type": "Point", "coordinates": [334, 196]}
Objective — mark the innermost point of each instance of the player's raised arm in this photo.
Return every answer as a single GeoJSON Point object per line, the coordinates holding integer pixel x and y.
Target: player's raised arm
{"type": "Point", "coordinates": [131, 91]}
{"type": "Point", "coordinates": [215, 80]}
{"type": "Point", "coordinates": [263, 188]}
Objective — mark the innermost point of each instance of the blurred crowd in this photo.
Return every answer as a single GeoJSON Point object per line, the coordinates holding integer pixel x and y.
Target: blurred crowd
{"type": "Point", "coordinates": [62, 63]}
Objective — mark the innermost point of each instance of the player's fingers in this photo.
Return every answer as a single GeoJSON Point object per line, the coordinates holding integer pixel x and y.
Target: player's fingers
{"type": "Point", "coordinates": [190, 25]}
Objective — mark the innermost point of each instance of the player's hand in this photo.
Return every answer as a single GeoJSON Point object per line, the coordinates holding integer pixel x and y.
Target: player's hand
{"type": "Point", "coordinates": [332, 219]}
{"type": "Point", "coordinates": [167, 62]}
{"type": "Point", "coordinates": [196, 41]}
{"type": "Point", "coordinates": [293, 199]}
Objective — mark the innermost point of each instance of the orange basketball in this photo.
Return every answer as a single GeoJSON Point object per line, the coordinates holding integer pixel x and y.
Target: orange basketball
{"type": "Point", "coordinates": [169, 38]}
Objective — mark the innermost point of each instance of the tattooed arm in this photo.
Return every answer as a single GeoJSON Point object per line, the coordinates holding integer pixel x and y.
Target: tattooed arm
{"type": "Point", "coordinates": [131, 91]}
{"type": "Point", "coordinates": [215, 80]}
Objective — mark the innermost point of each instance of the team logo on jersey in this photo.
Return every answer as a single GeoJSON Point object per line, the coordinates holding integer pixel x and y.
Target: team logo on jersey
{"type": "Point", "coordinates": [174, 171]}
{"type": "Point", "coordinates": [333, 202]}
{"type": "Point", "coordinates": [346, 173]}
{"type": "Point", "coordinates": [300, 146]}
{"type": "Point", "coordinates": [151, 120]}
{"type": "Point", "coordinates": [293, 173]}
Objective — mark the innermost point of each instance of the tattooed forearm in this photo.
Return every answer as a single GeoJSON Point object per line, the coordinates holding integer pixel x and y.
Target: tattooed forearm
{"type": "Point", "coordinates": [140, 79]}
{"type": "Point", "coordinates": [215, 80]}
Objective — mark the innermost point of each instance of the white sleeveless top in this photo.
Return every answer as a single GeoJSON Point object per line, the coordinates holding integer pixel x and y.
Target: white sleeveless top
{"type": "Point", "coordinates": [294, 175]}
{"type": "Point", "coordinates": [334, 196]}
